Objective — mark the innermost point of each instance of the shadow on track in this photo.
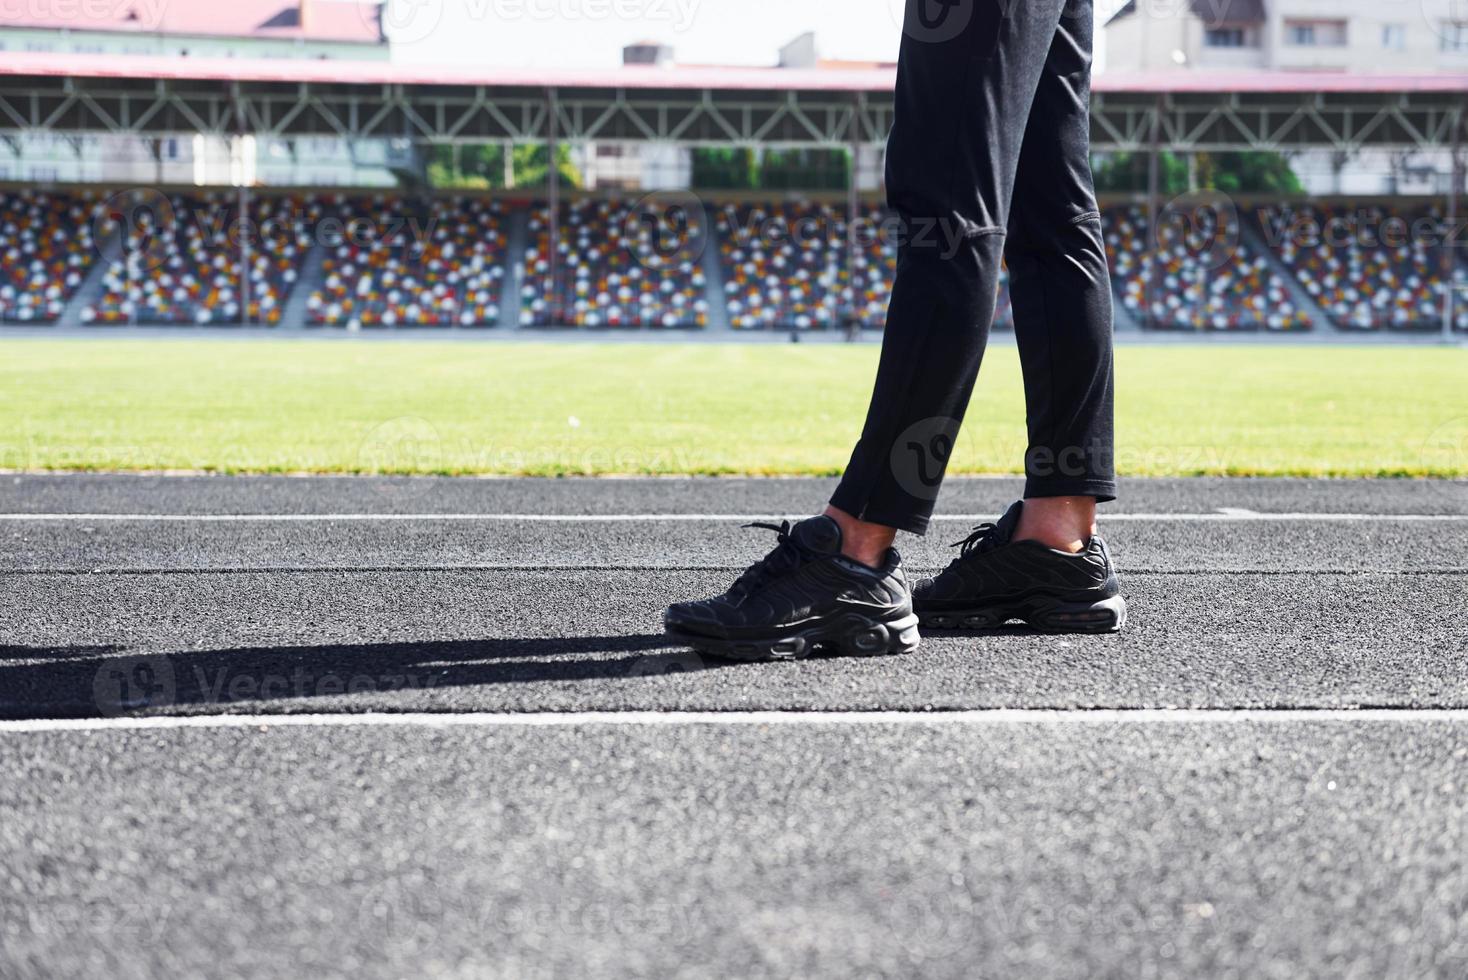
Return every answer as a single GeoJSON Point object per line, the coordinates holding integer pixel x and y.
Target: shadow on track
{"type": "Point", "coordinates": [107, 681]}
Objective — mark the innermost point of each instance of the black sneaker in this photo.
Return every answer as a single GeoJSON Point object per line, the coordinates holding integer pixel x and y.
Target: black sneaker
{"type": "Point", "coordinates": [996, 579]}
{"type": "Point", "coordinates": [802, 596]}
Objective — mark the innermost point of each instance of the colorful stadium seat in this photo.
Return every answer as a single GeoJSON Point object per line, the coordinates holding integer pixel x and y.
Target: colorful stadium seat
{"type": "Point", "coordinates": [182, 266]}
{"type": "Point", "coordinates": [393, 262]}
{"type": "Point", "coordinates": [612, 270]}
{"type": "Point", "coordinates": [46, 250]}
{"type": "Point", "coordinates": [1202, 274]}
{"type": "Point", "coordinates": [786, 266]}
{"type": "Point", "coordinates": [1376, 267]}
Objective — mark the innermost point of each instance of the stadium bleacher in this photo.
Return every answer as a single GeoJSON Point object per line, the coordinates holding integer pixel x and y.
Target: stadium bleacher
{"type": "Point", "coordinates": [392, 262]}
{"type": "Point", "coordinates": [183, 268]}
{"type": "Point", "coordinates": [1378, 267]}
{"type": "Point", "coordinates": [1201, 274]}
{"type": "Point", "coordinates": [613, 269]}
{"type": "Point", "coordinates": [46, 250]}
{"type": "Point", "coordinates": [785, 266]}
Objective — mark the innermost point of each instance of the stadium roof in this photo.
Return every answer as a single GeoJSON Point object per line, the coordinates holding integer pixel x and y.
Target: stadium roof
{"type": "Point", "coordinates": [307, 20]}
{"type": "Point", "coordinates": [872, 80]}
{"type": "Point", "coordinates": [691, 106]}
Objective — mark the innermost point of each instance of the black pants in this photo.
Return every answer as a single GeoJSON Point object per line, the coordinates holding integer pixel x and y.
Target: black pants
{"type": "Point", "coordinates": [989, 157]}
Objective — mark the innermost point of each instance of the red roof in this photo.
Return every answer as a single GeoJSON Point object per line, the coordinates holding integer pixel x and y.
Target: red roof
{"type": "Point", "coordinates": [648, 77]}
{"type": "Point", "coordinates": [308, 20]}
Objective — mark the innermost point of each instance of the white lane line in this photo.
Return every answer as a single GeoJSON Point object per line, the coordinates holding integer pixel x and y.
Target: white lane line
{"type": "Point", "coordinates": [1226, 515]}
{"type": "Point", "coordinates": [642, 719]}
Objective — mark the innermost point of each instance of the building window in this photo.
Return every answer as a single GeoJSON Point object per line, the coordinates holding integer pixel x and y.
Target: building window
{"type": "Point", "coordinates": [1394, 37]}
{"type": "Point", "coordinates": [1316, 33]}
{"type": "Point", "coordinates": [1224, 37]}
{"type": "Point", "coordinates": [1455, 37]}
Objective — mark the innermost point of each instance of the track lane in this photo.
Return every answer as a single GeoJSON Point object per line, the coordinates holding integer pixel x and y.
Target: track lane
{"type": "Point", "coordinates": [1257, 849]}
{"type": "Point", "coordinates": [590, 640]}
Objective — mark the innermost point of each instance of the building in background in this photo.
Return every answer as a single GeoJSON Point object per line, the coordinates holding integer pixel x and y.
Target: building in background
{"type": "Point", "coordinates": [1288, 35]}
{"type": "Point", "coordinates": [1407, 36]}
{"type": "Point", "coordinates": [647, 166]}
{"type": "Point", "coordinates": [288, 29]}
{"type": "Point", "coordinates": [197, 28]}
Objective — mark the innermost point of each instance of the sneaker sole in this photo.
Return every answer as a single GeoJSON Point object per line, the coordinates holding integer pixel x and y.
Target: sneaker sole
{"type": "Point", "coordinates": [852, 636]}
{"type": "Point", "coordinates": [1102, 616]}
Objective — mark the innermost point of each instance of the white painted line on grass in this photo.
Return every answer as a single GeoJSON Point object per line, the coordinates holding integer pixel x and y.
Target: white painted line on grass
{"type": "Point", "coordinates": [1228, 515]}
{"type": "Point", "coordinates": [648, 719]}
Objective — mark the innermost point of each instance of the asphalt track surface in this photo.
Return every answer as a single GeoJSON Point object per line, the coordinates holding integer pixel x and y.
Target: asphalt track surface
{"type": "Point", "coordinates": [357, 727]}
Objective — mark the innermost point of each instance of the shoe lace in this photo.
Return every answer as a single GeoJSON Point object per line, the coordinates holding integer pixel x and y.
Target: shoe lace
{"type": "Point", "coordinates": [980, 539]}
{"type": "Point", "coordinates": [786, 556]}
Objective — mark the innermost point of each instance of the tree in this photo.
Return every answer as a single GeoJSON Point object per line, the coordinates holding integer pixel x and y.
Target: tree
{"type": "Point", "coordinates": [1252, 171]}
{"type": "Point", "coordinates": [481, 166]}
{"type": "Point", "coordinates": [718, 169]}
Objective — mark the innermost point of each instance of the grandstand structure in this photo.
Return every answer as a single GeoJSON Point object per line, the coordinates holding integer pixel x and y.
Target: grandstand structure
{"type": "Point", "coordinates": [544, 256]}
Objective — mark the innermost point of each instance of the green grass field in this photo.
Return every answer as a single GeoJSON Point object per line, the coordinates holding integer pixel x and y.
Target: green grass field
{"type": "Point", "coordinates": [240, 406]}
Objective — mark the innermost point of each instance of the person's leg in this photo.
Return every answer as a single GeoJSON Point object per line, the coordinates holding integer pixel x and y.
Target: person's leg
{"type": "Point", "coordinates": [967, 75]}
{"type": "Point", "coordinates": [1062, 301]}
{"type": "Point", "coordinates": [1043, 562]}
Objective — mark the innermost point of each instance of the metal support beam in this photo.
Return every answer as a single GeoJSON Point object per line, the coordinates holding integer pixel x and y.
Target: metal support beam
{"type": "Point", "coordinates": [1450, 240]}
{"type": "Point", "coordinates": [470, 113]}
{"type": "Point", "coordinates": [1154, 148]}
{"type": "Point", "coordinates": [553, 177]}
{"type": "Point", "coordinates": [242, 220]}
{"type": "Point", "coordinates": [853, 220]}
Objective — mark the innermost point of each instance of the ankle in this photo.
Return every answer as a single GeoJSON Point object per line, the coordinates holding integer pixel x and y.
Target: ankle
{"type": "Point", "coordinates": [861, 540]}
{"type": "Point", "coordinates": [1061, 523]}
